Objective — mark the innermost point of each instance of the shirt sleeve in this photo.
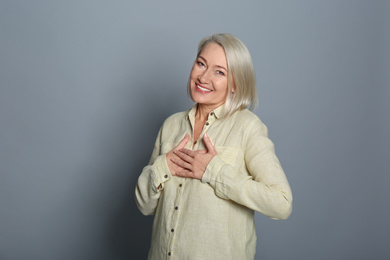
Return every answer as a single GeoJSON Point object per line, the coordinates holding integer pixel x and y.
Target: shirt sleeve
{"type": "Point", "coordinates": [265, 189]}
{"type": "Point", "coordinates": [151, 181]}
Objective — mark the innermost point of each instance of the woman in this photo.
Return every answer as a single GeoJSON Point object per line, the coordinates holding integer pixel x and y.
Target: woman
{"type": "Point", "coordinates": [213, 166]}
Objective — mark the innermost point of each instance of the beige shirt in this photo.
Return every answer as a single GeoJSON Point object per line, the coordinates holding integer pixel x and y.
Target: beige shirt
{"type": "Point", "coordinates": [213, 218]}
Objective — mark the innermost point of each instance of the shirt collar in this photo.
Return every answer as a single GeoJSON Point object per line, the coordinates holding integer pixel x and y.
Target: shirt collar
{"type": "Point", "coordinates": [218, 112]}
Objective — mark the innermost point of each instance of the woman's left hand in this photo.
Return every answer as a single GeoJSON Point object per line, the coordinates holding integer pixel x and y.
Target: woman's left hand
{"type": "Point", "coordinates": [194, 162]}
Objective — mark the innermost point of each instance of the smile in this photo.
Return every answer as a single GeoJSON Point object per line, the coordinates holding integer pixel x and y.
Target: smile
{"type": "Point", "coordinates": [203, 89]}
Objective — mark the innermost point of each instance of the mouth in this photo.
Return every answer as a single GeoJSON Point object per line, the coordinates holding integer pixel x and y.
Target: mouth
{"type": "Point", "coordinates": [202, 89]}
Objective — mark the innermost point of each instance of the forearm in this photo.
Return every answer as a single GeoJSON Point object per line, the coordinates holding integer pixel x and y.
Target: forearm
{"type": "Point", "coordinates": [150, 184]}
{"type": "Point", "coordinates": [271, 198]}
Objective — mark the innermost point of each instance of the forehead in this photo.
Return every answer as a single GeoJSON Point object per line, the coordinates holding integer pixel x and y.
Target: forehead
{"type": "Point", "coordinates": [214, 53]}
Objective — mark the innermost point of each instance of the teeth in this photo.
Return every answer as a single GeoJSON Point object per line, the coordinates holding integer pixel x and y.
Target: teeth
{"type": "Point", "coordinates": [203, 89]}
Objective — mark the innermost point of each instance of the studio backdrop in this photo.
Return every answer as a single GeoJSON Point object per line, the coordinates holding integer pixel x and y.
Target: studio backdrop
{"type": "Point", "coordinates": [85, 86]}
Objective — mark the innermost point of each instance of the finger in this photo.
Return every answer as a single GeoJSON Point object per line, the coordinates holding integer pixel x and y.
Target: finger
{"type": "Point", "coordinates": [183, 156]}
{"type": "Point", "coordinates": [178, 169]}
{"type": "Point", "coordinates": [193, 153]}
{"type": "Point", "coordinates": [183, 142]}
{"type": "Point", "coordinates": [183, 173]}
{"type": "Point", "coordinates": [181, 163]}
{"type": "Point", "coordinates": [209, 145]}
{"type": "Point", "coordinates": [188, 152]}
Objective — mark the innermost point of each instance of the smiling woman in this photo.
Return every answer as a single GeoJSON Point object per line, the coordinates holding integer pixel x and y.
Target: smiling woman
{"type": "Point", "coordinates": [213, 165]}
{"type": "Point", "coordinates": [208, 80]}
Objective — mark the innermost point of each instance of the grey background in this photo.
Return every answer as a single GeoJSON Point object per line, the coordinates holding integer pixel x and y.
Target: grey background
{"type": "Point", "coordinates": [85, 86]}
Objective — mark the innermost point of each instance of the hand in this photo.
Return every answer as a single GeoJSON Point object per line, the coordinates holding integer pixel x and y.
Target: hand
{"type": "Point", "coordinates": [192, 164]}
{"type": "Point", "coordinates": [169, 156]}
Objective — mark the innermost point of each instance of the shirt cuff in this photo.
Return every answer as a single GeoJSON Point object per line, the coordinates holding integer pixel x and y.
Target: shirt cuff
{"type": "Point", "coordinates": [212, 171]}
{"type": "Point", "coordinates": [161, 173]}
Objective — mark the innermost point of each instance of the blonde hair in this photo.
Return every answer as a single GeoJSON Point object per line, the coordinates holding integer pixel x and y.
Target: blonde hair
{"type": "Point", "coordinates": [241, 75]}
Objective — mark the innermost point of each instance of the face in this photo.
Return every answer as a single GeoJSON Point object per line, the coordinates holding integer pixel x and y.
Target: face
{"type": "Point", "coordinates": [209, 77]}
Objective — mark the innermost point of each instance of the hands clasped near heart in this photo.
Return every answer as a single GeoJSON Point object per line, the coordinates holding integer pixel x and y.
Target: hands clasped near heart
{"type": "Point", "coordinates": [187, 163]}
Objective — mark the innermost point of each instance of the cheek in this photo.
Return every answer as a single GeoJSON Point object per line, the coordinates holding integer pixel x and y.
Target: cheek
{"type": "Point", "coordinates": [193, 73]}
{"type": "Point", "coordinates": [223, 85]}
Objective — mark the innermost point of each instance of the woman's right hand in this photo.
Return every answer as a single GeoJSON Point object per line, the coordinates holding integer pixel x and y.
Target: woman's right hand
{"type": "Point", "coordinates": [173, 168]}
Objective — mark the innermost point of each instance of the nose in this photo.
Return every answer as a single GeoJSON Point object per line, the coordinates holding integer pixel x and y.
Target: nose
{"type": "Point", "coordinates": [203, 77]}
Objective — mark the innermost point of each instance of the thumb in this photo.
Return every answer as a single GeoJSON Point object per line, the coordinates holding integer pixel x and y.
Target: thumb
{"type": "Point", "coordinates": [183, 142]}
{"type": "Point", "coordinates": [209, 144]}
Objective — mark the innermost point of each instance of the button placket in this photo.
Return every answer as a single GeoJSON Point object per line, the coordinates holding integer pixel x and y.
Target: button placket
{"type": "Point", "coordinates": [175, 213]}
{"type": "Point", "coordinates": [178, 198]}
{"type": "Point", "coordinates": [207, 125]}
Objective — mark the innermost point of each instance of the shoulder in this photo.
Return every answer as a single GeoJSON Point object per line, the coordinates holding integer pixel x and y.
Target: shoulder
{"type": "Point", "coordinates": [175, 118]}
{"type": "Point", "coordinates": [172, 126]}
{"type": "Point", "coordinates": [174, 123]}
{"type": "Point", "coordinates": [250, 121]}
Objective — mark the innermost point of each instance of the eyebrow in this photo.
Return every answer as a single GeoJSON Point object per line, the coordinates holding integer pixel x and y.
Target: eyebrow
{"type": "Point", "coordinates": [218, 66]}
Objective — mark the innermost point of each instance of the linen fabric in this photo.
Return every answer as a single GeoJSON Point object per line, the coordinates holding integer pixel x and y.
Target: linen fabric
{"type": "Point", "coordinates": [213, 218]}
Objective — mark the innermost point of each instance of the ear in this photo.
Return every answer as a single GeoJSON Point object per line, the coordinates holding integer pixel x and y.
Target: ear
{"type": "Point", "coordinates": [233, 85]}
{"type": "Point", "coordinates": [233, 88]}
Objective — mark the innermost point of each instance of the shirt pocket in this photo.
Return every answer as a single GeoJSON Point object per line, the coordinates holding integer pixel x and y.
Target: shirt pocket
{"type": "Point", "coordinates": [229, 155]}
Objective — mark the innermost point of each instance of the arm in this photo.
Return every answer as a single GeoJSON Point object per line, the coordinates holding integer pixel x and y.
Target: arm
{"type": "Point", "coordinates": [266, 190]}
{"type": "Point", "coordinates": [153, 177]}
{"type": "Point", "coordinates": [151, 181]}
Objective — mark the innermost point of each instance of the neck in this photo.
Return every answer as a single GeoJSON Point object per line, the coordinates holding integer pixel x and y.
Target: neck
{"type": "Point", "coordinates": [202, 112]}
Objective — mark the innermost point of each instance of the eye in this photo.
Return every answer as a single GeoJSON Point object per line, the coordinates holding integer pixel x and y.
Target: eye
{"type": "Point", "coordinates": [201, 64]}
{"type": "Point", "coordinates": [220, 73]}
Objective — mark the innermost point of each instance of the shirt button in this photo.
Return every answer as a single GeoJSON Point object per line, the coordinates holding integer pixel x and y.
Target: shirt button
{"type": "Point", "coordinates": [176, 208]}
{"type": "Point", "coordinates": [180, 185]}
{"type": "Point", "coordinates": [166, 176]}
{"type": "Point", "coordinates": [207, 123]}
{"type": "Point", "coordinates": [172, 230]}
{"type": "Point", "coordinates": [195, 142]}
{"type": "Point", "coordinates": [212, 113]}
{"type": "Point", "coordinates": [169, 253]}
